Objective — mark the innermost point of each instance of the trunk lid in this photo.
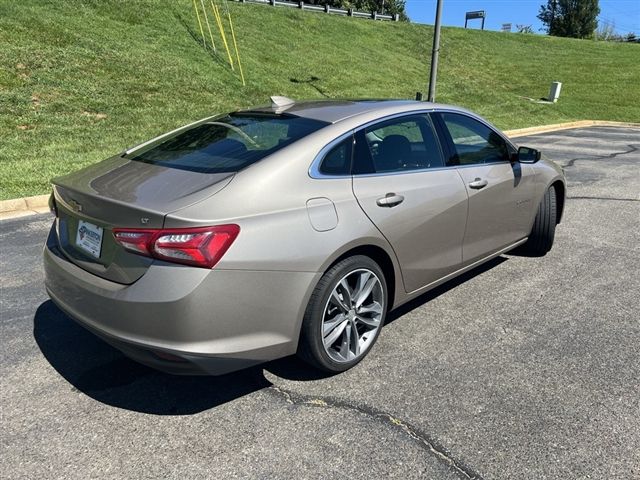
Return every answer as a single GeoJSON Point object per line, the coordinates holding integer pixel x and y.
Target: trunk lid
{"type": "Point", "coordinates": [124, 193]}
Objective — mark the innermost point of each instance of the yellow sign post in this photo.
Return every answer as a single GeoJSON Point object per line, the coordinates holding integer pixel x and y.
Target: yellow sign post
{"type": "Point", "coordinates": [235, 45]}
{"type": "Point", "coordinates": [195, 7]}
{"type": "Point", "coordinates": [216, 13]}
{"type": "Point", "coordinates": [206, 19]}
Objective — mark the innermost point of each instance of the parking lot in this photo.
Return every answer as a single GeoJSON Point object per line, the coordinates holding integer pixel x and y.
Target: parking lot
{"type": "Point", "coordinates": [522, 368]}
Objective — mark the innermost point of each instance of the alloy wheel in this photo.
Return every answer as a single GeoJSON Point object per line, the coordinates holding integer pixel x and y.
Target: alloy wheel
{"type": "Point", "coordinates": [353, 315]}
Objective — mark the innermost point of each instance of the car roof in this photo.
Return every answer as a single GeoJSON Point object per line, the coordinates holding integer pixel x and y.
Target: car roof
{"type": "Point", "coordinates": [333, 111]}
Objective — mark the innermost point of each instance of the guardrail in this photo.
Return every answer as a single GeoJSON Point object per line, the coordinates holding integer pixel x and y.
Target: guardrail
{"type": "Point", "coordinates": [325, 9]}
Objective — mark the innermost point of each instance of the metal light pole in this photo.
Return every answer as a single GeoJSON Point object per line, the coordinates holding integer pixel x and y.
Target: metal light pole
{"type": "Point", "coordinates": [434, 55]}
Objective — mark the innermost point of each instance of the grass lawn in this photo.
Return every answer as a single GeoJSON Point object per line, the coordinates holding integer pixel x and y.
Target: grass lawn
{"type": "Point", "coordinates": [81, 80]}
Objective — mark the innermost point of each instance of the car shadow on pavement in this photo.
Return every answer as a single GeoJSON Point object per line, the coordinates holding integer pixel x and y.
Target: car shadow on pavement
{"type": "Point", "coordinates": [98, 370]}
{"type": "Point", "coordinates": [444, 288]}
{"type": "Point", "coordinates": [102, 372]}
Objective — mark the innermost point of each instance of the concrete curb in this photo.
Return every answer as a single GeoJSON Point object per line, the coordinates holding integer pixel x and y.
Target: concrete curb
{"type": "Point", "coordinates": [520, 132]}
{"type": "Point", "coordinates": [21, 207]}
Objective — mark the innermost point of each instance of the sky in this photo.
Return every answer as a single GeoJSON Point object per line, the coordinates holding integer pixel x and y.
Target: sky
{"type": "Point", "coordinates": [625, 14]}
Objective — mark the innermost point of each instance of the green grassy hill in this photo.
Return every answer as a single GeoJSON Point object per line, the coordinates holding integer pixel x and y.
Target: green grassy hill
{"type": "Point", "coordinates": [80, 80]}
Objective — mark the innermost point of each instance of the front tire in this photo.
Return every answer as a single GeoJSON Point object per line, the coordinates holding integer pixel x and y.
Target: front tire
{"type": "Point", "coordinates": [544, 227]}
{"type": "Point", "coordinates": [345, 315]}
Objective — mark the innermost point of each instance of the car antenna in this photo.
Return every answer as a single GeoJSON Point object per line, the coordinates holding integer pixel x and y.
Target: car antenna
{"type": "Point", "coordinates": [281, 103]}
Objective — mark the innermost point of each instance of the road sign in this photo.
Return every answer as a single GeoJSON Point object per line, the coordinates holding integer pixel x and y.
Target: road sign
{"type": "Point", "coordinates": [474, 15]}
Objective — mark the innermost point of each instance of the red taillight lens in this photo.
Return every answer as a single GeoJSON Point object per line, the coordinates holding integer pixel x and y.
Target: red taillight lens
{"type": "Point", "coordinates": [201, 247]}
{"type": "Point", "coordinates": [135, 240]}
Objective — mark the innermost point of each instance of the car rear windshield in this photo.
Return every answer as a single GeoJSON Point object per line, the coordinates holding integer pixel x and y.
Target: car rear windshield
{"type": "Point", "coordinates": [229, 143]}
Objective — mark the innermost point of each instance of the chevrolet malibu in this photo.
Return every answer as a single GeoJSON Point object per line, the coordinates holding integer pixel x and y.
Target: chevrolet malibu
{"type": "Point", "coordinates": [295, 227]}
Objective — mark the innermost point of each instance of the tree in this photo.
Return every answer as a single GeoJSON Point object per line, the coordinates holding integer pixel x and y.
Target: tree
{"type": "Point", "coordinates": [524, 28]}
{"type": "Point", "coordinates": [606, 31]}
{"type": "Point", "coordinates": [570, 18]}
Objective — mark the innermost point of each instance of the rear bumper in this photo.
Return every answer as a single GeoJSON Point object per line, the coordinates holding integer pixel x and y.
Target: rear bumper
{"type": "Point", "coordinates": [186, 320]}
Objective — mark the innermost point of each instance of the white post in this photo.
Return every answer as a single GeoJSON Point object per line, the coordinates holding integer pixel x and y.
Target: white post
{"type": "Point", "coordinates": [554, 91]}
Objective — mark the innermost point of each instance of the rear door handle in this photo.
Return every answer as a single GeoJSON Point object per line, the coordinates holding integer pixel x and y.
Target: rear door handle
{"type": "Point", "coordinates": [478, 183]}
{"type": "Point", "coordinates": [390, 200]}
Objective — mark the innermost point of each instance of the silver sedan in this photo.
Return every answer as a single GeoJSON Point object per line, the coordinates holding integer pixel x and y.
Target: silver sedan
{"type": "Point", "coordinates": [294, 227]}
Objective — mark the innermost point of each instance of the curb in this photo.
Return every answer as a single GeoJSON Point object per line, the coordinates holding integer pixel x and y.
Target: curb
{"type": "Point", "coordinates": [22, 207]}
{"type": "Point", "coordinates": [520, 132]}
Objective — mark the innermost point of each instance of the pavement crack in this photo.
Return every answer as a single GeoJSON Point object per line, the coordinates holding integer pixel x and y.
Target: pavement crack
{"type": "Point", "coordinates": [605, 198]}
{"type": "Point", "coordinates": [424, 440]}
{"type": "Point", "coordinates": [632, 148]}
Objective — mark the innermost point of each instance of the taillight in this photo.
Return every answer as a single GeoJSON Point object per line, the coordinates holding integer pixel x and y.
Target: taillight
{"type": "Point", "coordinates": [201, 247]}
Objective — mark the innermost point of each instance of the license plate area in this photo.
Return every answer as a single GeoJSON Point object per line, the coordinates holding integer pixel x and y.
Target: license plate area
{"type": "Point", "coordinates": [89, 238]}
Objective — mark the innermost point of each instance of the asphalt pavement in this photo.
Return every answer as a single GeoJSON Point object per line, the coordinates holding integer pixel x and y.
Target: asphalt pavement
{"type": "Point", "coordinates": [522, 368]}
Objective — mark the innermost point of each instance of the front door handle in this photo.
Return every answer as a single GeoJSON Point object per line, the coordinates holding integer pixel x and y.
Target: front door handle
{"type": "Point", "coordinates": [478, 183]}
{"type": "Point", "coordinates": [390, 200]}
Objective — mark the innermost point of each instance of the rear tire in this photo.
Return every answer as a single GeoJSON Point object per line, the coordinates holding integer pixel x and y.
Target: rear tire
{"type": "Point", "coordinates": [345, 315]}
{"type": "Point", "coordinates": [544, 227]}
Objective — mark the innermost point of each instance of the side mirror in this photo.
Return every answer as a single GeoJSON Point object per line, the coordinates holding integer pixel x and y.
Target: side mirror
{"type": "Point", "coordinates": [528, 155]}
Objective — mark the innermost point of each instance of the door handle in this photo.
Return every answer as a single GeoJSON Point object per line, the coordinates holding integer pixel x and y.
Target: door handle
{"type": "Point", "coordinates": [478, 183]}
{"type": "Point", "coordinates": [390, 200]}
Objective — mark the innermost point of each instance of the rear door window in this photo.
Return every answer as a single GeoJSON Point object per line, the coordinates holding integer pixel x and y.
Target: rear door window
{"type": "Point", "coordinates": [227, 144]}
{"type": "Point", "coordinates": [401, 144]}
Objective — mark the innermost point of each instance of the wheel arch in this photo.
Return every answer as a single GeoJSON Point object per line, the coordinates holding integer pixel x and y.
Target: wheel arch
{"type": "Point", "coordinates": [384, 259]}
{"type": "Point", "coordinates": [561, 190]}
